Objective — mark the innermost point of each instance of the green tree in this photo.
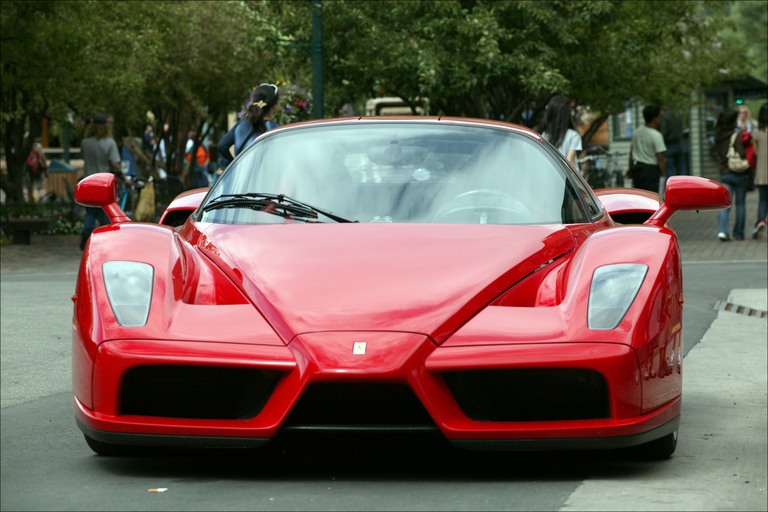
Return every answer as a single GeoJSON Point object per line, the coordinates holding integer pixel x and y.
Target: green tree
{"type": "Point", "coordinates": [499, 59]}
{"type": "Point", "coordinates": [191, 62]}
{"type": "Point", "coordinates": [41, 54]}
{"type": "Point", "coordinates": [200, 67]}
{"type": "Point", "coordinates": [748, 28]}
{"type": "Point", "coordinates": [181, 60]}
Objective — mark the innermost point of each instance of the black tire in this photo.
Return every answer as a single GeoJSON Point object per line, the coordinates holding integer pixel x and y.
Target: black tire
{"type": "Point", "coordinates": [660, 449]}
{"type": "Point", "coordinates": [107, 449]}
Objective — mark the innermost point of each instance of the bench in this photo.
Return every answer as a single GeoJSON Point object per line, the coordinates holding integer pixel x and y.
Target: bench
{"type": "Point", "coordinates": [22, 228]}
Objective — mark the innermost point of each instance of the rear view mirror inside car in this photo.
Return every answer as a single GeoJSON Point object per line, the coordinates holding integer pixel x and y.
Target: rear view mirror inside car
{"type": "Point", "coordinates": [397, 155]}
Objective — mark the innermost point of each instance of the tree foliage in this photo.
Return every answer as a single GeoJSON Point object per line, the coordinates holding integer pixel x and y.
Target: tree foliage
{"type": "Point", "coordinates": [70, 60]}
{"type": "Point", "coordinates": [191, 62]}
{"type": "Point", "coordinates": [497, 59]}
{"type": "Point", "coordinates": [746, 28]}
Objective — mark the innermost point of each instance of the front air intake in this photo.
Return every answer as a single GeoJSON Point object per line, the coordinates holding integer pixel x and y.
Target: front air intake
{"type": "Point", "coordinates": [530, 394]}
{"type": "Point", "coordinates": [202, 392]}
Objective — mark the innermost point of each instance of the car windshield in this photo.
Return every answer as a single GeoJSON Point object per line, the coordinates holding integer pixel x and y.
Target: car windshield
{"type": "Point", "coordinates": [411, 172]}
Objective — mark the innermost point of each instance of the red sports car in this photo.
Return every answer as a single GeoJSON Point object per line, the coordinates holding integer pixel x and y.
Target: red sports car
{"type": "Point", "coordinates": [387, 274]}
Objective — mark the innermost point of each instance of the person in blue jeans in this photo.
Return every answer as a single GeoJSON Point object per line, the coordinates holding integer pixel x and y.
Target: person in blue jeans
{"type": "Point", "coordinates": [676, 139]}
{"type": "Point", "coordinates": [736, 182]}
{"type": "Point", "coordinates": [760, 139]}
{"type": "Point", "coordinates": [100, 154]}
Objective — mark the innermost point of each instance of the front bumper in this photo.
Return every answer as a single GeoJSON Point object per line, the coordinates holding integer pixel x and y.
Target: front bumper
{"type": "Point", "coordinates": [401, 382]}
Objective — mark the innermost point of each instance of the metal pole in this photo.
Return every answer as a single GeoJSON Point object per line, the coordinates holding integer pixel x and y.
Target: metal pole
{"type": "Point", "coordinates": [65, 140]}
{"type": "Point", "coordinates": [317, 60]}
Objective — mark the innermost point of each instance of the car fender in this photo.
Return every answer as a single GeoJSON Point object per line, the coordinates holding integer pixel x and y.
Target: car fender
{"type": "Point", "coordinates": [191, 300]}
{"type": "Point", "coordinates": [652, 325]}
{"type": "Point", "coordinates": [651, 328]}
{"type": "Point", "coordinates": [657, 248]}
{"type": "Point", "coordinates": [93, 320]}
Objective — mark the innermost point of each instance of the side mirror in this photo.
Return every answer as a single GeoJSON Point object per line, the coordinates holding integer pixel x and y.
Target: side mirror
{"type": "Point", "coordinates": [690, 193]}
{"type": "Point", "coordinates": [100, 191]}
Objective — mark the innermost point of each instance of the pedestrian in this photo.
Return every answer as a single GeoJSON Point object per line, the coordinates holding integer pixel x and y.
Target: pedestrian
{"type": "Point", "coordinates": [675, 139]}
{"type": "Point", "coordinates": [726, 133]}
{"type": "Point", "coordinates": [647, 153]}
{"type": "Point", "coordinates": [129, 162]}
{"type": "Point", "coordinates": [257, 120]}
{"type": "Point", "coordinates": [139, 161]}
{"type": "Point", "coordinates": [36, 172]}
{"type": "Point", "coordinates": [100, 154]}
{"type": "Point", "coordinates": [148, 141]}
{"type": "Point", "coordinates": [197, 166]}
{"type": "Point", "coordinates": [745, 121]}
{"type": "Point", "coordinates": [559, 129]}
{"type": "Point", "coordinates": [760, 140]}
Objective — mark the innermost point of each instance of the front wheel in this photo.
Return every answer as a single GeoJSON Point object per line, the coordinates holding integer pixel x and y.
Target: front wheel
{"type": "Point", "coordinates": [107, 449]}
{"type": "Point", "coordinates": [660, 449]}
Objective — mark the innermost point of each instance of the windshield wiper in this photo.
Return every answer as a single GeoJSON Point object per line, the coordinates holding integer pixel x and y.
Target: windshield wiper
{"type": "Point", "coordinates": [277, 204]}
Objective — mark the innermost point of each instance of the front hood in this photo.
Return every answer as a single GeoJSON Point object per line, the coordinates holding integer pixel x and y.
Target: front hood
{"type": "Point", "coordinates": [419, 278]}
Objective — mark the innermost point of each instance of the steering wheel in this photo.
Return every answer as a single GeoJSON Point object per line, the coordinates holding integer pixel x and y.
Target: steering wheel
{"type": "Point", "coordinates": [481, 204]}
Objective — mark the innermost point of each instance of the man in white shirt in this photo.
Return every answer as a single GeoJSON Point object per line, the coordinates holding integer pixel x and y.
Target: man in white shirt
{"type": "Point", "coordinates": [647, 161]}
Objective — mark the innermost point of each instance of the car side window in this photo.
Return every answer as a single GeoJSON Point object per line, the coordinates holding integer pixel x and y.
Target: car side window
{"type": "Point", "coordinates": [593, 207]}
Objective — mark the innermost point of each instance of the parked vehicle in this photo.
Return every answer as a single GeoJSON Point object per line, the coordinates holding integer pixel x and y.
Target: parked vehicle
{"type": "Point", "coordinates": [387, 274]}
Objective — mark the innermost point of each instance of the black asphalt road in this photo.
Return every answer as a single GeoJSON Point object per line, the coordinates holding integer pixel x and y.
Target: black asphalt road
{"type": "Point", "coordinates": [46, 465]}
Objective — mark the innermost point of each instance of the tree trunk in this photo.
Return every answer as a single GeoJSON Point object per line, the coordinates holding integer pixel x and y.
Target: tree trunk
{"type": "Point", "coordinates": [16, 147]}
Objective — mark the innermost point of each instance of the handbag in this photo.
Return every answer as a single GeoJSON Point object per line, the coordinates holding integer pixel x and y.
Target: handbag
{"type": "Point", "coordinates": [736, 162]}
{"type": "Point", "coordinates": [145, 208]}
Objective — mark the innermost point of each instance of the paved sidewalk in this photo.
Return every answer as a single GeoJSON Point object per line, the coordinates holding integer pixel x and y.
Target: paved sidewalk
{"type": "Point", "coordinates": [697, 233]}
{"type": "Point", "coordinates": [722, 450]}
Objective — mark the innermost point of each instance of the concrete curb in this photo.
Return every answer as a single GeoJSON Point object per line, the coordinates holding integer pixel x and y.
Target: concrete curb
{"type": "Point", "coordinates": [722, 451]}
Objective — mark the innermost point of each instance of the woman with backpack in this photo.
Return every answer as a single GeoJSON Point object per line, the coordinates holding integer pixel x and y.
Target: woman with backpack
{"type": "Point", "coordinates": [257, 120]}
{"type": "Point", "coordinates": [726, 133]}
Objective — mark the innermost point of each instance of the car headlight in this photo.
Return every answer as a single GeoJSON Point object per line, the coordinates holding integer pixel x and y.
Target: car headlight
{"type": "Point", "coordinates": [129, 288]}
{"type": "Point", "coordinates": [612, 291]}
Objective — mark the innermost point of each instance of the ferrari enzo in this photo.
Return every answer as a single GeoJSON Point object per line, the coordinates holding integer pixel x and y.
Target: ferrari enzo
{"type": "Point", "coordinates": [387, 274]}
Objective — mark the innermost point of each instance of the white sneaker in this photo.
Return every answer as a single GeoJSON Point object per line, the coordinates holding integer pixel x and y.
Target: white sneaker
{"type": "Point", "coordinates": [722, 236]}
{"type": "Point", "coordinates": [759, 227]}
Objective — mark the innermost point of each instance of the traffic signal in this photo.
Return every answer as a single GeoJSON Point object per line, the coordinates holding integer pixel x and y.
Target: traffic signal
{"type": "Point", "coordinates": [739, 101]}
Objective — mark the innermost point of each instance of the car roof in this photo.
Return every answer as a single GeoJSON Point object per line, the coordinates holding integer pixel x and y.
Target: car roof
{"type": "Point", "coordinates": [467, 121]}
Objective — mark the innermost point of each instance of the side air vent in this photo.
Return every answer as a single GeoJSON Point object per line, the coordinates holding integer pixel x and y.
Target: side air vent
{"type": "Point", "coordinates": [177, 218]}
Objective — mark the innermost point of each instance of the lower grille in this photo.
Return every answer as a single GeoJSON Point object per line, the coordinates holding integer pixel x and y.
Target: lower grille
{"type": "Point", "coordinates": [358, 405]}
{"type": "Point", "coordinates": [546, 394]}
{"type": "Point", "coordinates": [201, 392]}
